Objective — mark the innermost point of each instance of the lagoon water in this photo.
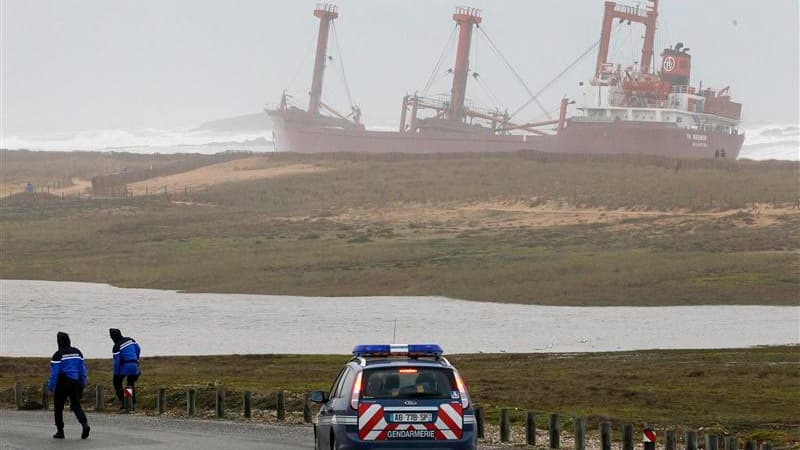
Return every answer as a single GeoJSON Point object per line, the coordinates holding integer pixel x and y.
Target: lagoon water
{"type": "Point", "coordinates": [174, 323]}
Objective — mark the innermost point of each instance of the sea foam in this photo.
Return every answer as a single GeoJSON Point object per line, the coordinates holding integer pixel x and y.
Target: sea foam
{"type": "Point", "coordinates": [762, 142]}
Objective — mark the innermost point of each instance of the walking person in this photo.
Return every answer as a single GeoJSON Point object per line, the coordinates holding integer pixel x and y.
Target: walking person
{"type": "Point", "coordinates": [126, 352]}
{"type": "Point", "coordinates": [67, 380]}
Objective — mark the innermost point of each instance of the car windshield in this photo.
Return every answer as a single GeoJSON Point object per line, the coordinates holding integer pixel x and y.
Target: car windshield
{"type": "Point", "coordinates": [408, 382]}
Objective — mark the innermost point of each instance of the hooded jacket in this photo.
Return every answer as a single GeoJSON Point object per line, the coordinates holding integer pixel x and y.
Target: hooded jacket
{"type": "Point", "coordinates": [67, 362]}
{"type": "Point", "coordinates": [126, 353]}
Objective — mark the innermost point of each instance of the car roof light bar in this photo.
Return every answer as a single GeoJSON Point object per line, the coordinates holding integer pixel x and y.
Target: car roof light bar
{"type": "Point", "coordinates": [411, 350]}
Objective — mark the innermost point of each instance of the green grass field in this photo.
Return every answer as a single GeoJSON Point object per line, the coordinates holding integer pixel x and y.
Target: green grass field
{"type": "Point", "coordinates": [43, 168]}
{"type": "Point", "coordinates": [384, 227]}
{"type": "Point", "coordinates": [754, 393]}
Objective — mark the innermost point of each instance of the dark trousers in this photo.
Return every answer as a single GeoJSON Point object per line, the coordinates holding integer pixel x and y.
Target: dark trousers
{"type": "Point", "coordinates": [120, 392]}
{"type": "Point", "coordinates": [72, 389]}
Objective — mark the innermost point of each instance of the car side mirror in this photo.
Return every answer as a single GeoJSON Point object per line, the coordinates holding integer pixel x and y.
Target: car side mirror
{"type": "Point", "coordinates": [319, 397]}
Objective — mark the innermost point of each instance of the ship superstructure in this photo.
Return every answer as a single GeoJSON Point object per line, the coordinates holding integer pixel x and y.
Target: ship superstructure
{"type": "Point", "coordinates": [639, 95]}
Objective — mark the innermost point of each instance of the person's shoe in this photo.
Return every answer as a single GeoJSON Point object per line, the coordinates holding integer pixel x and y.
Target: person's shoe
{"type": "Point", "coordinates": [85, 432]}
{"type": "Point", "coordinates": [59, 434]}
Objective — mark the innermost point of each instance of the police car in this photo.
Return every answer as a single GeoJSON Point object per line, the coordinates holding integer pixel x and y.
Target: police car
{"type": "Point", "coordinates": [396, 396]}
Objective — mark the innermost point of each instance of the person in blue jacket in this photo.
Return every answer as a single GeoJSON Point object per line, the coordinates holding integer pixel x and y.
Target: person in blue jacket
{"type": "Point", "coordinates": [68, 379]}
{"type": "Point", "coordinates": [126, 352]}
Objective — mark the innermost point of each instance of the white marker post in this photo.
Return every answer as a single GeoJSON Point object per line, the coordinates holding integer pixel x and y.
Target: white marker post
{"type": "Point", "coordinates": [649, 439]}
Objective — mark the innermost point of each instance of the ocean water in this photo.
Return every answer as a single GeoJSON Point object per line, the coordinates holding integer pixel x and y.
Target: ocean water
{"type": "Point", "coordinates": [762, 142]}
{"type": "Point", "coordinates": [772, 141]}
{"type": "Point", "coordinates": [147, 140]}
{"type": "Point", "coordinates": [173, 323]}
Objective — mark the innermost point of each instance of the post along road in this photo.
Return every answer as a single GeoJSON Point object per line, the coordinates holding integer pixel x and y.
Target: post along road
{"type": "Point", "coordinates": [34, 429]}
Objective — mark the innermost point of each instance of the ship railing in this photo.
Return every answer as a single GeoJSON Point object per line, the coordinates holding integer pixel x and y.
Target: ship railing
{"type": "Point", "coordinates": [329, 7]}
{"type": "Point", "coordinates": [631, 10]}
{"type": "Point", "coordinates": [592, 119]}
{"type": "Point", "coordinates": [485, 111]}
{"type": "Point", "coordinates": [467, 11]}
{"type": "Point", "coordinates": [439, 102]}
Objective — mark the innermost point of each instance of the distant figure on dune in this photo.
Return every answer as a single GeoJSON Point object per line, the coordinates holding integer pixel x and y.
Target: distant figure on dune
{"type": "Point", "coordinates": [67, 380]}
{"type": "Point", "coordinates": [126, 352]}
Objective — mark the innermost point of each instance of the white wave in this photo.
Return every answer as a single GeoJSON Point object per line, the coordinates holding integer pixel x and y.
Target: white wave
{"type": "Point", "coordinates": [147, 140]}
{"type": "Point", "coordinates": [764, 141]}
{"type": "Point", "coordinates": [772, 141]}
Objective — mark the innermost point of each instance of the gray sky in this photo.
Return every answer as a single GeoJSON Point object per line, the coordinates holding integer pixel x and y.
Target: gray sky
{"type": "Point", "coordinates": [72, 65]}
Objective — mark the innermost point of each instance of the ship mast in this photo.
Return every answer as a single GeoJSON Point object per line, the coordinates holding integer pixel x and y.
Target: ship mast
{"type": "Point", "coordinates": [465, 18]}
{"type": "Point", "coordinates": [646, 16]}
{"type": "Point", "coordinates": [326, 14]}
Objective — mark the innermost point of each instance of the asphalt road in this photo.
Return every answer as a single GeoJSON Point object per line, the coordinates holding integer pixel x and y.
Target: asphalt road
{"type": "Point", "coordinates": [34, 430]}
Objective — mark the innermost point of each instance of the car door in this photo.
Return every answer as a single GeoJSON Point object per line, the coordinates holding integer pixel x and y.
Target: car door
{"type": "Point", "coordinates": [327, 411]}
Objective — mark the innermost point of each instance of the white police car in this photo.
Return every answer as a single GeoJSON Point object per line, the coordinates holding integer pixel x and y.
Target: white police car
{"type": "Point", "coordinates": [396, 396]}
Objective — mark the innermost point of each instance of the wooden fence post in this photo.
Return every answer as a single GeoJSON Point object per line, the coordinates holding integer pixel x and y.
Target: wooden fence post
{"type": "Point", "coordinates": [161, 400]}
{"type": "Point", "coordinates": [45, 397]}
{"type": "Point", "coordinates": [605, 436]}
{"type": "Point", "coordinates": [191, 402]}
{"type": "Point", "coordinates": [691, 440]}
{"type": "Point", "coordinates": [281, 405]}
{"type": "Point", "coordinates": [671, 441]}
{"type": "Point", "coordinates": [555, 431]}
{"type": "Point", "coordinates": [749, 445]}
{"type": "Point", "coordinates": [580, 433]}
{"type": "Point", "coordinates": [712, 442]}
{"type": "Point", "coordinates": [505, 427]}
{"type": "Point", "coordinates": [307, 409]}
{"type": "Point", "coordinates": [220, 403]}
{"type": "Point", "coordinates": [18, 394]}
{"type": "Point", "coordinates": [247, 404]}
{"type": "Point", "coordinates": [99, 398]}
{"type": "Point", "coordinates": [627, 437]}
{"type": "Point", "coordinates": [530, 428]}
{"type": "Point", "coordinates": [479, 422]}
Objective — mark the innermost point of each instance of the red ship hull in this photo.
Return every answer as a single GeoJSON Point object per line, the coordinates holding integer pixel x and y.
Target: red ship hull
{"type": "Point", "coordinates": [577, 137]}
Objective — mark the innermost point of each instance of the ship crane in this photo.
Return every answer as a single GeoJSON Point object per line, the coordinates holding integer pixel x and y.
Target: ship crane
{"type": "Point", "coordinates": [327, 13]}
{"type": "Point", "coordinates": [452, 113]}
{"type": "Point", "coordinates": [646, 15]}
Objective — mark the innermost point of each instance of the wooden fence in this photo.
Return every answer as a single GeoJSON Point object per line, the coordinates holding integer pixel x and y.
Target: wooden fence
{"type": "Point", "coordinates": [217, 400]}
{"type": "Point", "coordinates": [116, 184]}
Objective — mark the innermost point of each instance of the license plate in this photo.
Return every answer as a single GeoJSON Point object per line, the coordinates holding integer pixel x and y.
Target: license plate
{"type": "Point", "coordinates": [411, 417]}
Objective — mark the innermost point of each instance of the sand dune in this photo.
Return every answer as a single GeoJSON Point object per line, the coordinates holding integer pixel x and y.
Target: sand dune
{"type": "Point", "coordinates": [237, 170]}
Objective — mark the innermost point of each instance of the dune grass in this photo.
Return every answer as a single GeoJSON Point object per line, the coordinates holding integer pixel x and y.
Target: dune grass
{"type": "Point", "coordinates": [292, 235]}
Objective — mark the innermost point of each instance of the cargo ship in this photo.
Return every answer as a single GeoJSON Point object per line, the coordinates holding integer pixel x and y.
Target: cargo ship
{"type": "Point", "coordinates": [634, 109]}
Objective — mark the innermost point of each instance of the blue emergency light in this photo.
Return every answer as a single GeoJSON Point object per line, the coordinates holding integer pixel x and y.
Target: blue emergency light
{"type": "Point", "coordinates": [411, 350]}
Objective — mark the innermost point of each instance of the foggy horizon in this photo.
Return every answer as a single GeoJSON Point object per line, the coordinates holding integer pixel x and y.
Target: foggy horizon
{"type": "Point", "coordinates": [79, 65]}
